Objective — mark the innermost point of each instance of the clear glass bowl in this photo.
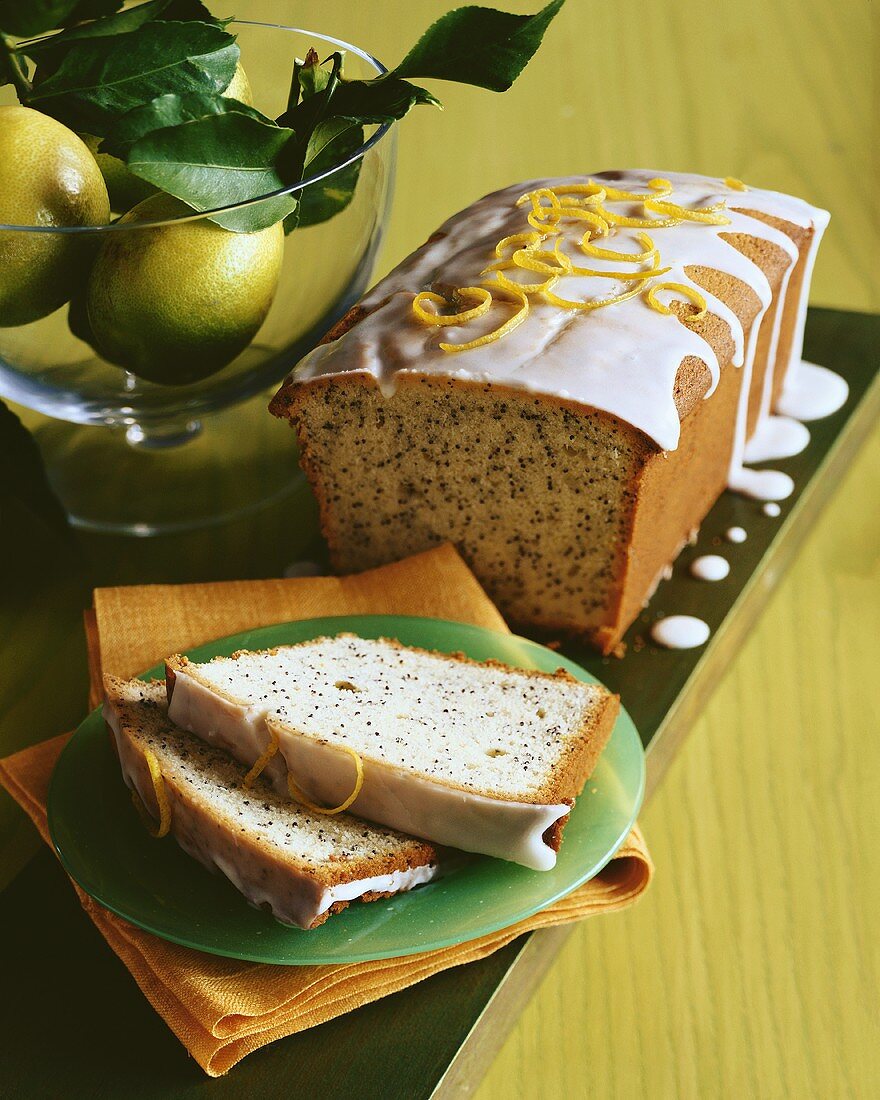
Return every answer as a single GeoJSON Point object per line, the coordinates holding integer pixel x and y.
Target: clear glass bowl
{"type": "Point", "coordinates": [127, 454]}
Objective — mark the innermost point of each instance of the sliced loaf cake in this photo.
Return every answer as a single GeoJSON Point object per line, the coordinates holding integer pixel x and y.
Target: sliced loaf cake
{"type": "Point", "coordinates": [481, 757]}
{"type": "Point", "coordinates": [299, 865]}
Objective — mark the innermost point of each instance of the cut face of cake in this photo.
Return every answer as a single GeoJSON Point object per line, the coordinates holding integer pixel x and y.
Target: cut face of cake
{"type": "Point", "coordinates": [480, 757]}
{"type": "Point", "coordinates": [596, 414]}
{"type": "Point", "coordinates": [299, 865]}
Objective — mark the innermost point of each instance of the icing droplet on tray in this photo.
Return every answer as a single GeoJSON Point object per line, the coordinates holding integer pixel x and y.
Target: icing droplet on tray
{"type": "Point", "coordinates": [812, 392]}
{"type": "Point", "coordinates": [710, 567]}
{"type": "Point", "coordinates": [735, 534]}
{"type": "Point", "coordinates": [762, 484]}
{"type": "Point", "coordinates": [777, 437]}
{"type": "Point", "coordinates": [771, 509]}
{"type": "Point", "coordinates": [680, 632]}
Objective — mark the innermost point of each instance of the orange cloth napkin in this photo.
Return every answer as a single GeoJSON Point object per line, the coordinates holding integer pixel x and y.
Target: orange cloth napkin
{"type": "Point", "coordinates": [222, 1009]}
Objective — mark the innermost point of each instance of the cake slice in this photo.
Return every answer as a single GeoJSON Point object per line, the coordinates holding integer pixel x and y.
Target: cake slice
{"type": "Point", "coordinates": [481, 757]}
{"type": "Point", "coordinates": [299, 865]}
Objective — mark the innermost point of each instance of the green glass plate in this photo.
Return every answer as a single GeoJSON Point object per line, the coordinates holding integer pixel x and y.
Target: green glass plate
{"type": "Point", "coordinates": [153, 884]}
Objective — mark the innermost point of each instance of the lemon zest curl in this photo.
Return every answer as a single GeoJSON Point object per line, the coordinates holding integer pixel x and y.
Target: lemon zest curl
{"type": "Point", "coordinates": [681, 288]}
{"type": "Point", "coordinates": [164, 825]}
{"type": "Point", "coordinates": [298, 796]}
{"type": "Point", "coordinates": [596, 303]}
{"type": "Point", "coordinates": [262, 760]}
{"type": "Point", "coordinates": [509, 325]}
{"type": "Point", "coordinates": [484, 304]}
{"type": "Point", "coordinates": [584, 202]}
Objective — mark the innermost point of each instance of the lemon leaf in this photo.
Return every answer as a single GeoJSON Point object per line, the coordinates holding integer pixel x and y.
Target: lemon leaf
{"type": "Point", "coordinates": [50, 51]}
{"type": "Point", "coordinates": [114, 23]}
{"type": "Point", "coordinates": [333, 142]}
{"type": "Point", "coordinates": [101, 78]}
{"type": "Point", "coordinates": [34, 16]}
{"type": "Point", "coordinates": [291, 221]}
{"type": "Point", "coordinates": [218, 160]}
{"type": "Point", "coordinates": [92, 9]}
{"type": "Point", "coordinates": [318, 85]}
{"type": "Point", "coordinates": [479, 46]}
{"type": "Point", "coordinates": [102, 25]}
{"type": "Point", "coordinates": [379, 100]}
{"type": "Point", "coordinates": [170, 110]}
{"type": "Point", "coordinates": [12, 69]}
{"type": "Point", "coordinates": [472, 45]}
{"type": "Point", "coordinates": [25, 18]}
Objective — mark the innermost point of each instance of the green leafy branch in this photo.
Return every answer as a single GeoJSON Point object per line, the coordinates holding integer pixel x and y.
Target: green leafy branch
{"type": "Point", "coordinates": [12, 69]}
{"type": "Point", "coordinates": [150, 81]}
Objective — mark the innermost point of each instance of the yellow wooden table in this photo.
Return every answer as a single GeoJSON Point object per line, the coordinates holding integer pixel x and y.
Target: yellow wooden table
{"type": "Point", "coordinates": [751, 968]}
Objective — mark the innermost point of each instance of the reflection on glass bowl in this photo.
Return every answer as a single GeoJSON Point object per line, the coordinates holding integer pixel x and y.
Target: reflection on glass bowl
{"type": "Point", "coordinates": [179, 328]}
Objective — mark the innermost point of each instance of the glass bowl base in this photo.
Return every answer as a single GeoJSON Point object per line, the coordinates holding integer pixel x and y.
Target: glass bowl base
{"type": "Point", "coordinates": [144, 481]}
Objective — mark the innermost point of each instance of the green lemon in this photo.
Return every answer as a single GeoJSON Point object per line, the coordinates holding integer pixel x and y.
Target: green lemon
{"type": "Point", "coordinates": [47, 178]}
{"type": "Point", "coordinates": [175, 303]}
{"type": "Point", "coordinates": [125, 188]}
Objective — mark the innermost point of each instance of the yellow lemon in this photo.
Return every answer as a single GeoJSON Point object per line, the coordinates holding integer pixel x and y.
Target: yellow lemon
{"type": "Point", "coordinates": [174, 303]}
{"type": "Point", "coordinates": [125, 188]}
{"type": "Point", "coordinates": [47, 178]}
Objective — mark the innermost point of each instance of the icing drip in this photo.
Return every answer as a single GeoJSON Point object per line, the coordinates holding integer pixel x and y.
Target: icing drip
{"type": "Point", "coordinates": [680, 632]}
{"type": "Point", "coordinates": [622, 359]}
{"type": "Point", "coordinates": [773, 351]}
{"type": "Point", "coordinates": [776, 437]}
{"type": "Point", "coordinates": [812, 392]}
{"type": "Point", "coordinates": [762, 484]}
{"type": "Point", "coordinates": [735, 534]}
{"type": "Point", "coordinates": [710, 567]}
{"type": "Point", "coordinates": [772, 509]}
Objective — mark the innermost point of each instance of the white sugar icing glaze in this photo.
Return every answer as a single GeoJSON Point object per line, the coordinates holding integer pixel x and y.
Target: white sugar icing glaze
{"type": "Point", "coordinates": [776, 437]}
{"type": "Point", "coordinates": [771, 509]}
{"type": "Point", "coordinates": [710, 567]}
{"type": "Point", "coordinates": [680, 632]}
{"type": "Point", "coordinates": [812, 392]}
{"type": "Point", "coordinates": [735, 534]}
{"type": "Point", "coordinates": [622, 359]}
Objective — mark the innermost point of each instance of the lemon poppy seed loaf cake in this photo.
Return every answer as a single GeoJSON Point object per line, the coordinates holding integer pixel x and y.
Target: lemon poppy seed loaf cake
{"type": "Point", "coordinates": [561, 382]}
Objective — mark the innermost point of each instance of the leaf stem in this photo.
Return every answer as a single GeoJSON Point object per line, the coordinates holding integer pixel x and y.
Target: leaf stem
{"type": "Point", "coordinates": [12, 63]}
{"type": "Point", "coordinates": [293, 93]}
